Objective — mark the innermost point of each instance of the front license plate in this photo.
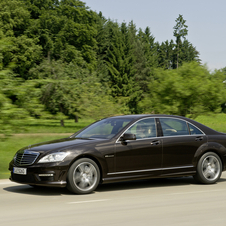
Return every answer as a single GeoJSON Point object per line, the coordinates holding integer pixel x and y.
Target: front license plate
{"type": "Point", "coordinates": [22, 171]}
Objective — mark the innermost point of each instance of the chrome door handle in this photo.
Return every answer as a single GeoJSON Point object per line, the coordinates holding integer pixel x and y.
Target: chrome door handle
{"type": "Point", "coordinates": [198, 138]}
{"type": "Point", "coordinates": [155, 142]}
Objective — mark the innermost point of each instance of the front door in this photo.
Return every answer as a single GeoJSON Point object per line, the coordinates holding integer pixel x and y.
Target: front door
{"type": "Point", "coordinates": [143, 155]}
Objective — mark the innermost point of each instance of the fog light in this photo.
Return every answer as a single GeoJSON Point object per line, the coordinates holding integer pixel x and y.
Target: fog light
{"type": "Point", "coordinates": [46, 175]}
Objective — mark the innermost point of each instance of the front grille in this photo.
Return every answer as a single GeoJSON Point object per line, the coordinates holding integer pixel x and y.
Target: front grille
{"type": "Point", "coordinates": [25, 158]}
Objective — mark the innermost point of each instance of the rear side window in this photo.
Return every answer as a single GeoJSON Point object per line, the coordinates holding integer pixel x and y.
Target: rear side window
{"type": "Point", "coordinates": [194, 130]}
{"type": "Point", "coordinates": [174, 127]}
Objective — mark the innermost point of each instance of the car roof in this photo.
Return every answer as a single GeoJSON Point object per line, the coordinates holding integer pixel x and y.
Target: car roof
{"type": "Point", "coordinates": [204, 128]}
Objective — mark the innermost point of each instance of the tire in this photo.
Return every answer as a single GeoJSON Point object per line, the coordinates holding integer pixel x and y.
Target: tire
{"type": "Point", "coordinates": [83, 176]}
{"type": "Point", "coordinates": [209, 169]}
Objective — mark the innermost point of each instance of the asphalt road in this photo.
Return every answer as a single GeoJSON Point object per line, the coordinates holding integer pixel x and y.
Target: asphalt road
{"type": "Point", "coordinates": [175, 201]}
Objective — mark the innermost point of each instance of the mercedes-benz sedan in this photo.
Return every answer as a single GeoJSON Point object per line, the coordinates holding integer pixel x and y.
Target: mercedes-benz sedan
{"type": "Point", "coordinates": [123, 148]}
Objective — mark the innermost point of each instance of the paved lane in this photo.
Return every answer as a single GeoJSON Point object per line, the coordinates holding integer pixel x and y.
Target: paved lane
{"type": "Point", "coordinates": [177, 202]}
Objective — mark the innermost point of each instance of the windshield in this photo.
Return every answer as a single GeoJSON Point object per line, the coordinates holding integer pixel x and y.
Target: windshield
{"type": "Point", "coordinates": [104, 129]}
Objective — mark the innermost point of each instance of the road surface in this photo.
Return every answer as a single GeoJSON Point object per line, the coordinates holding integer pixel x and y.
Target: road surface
{"type": "Point", "coordinates": [175, 201]}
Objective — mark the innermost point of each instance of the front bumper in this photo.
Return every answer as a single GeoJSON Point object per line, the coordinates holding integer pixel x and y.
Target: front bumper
{"type": "Point", "coordinates": [50, 174]}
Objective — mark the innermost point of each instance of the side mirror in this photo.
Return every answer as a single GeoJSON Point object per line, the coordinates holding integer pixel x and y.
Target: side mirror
{"type": "Point", "coordinates": [128, 136]}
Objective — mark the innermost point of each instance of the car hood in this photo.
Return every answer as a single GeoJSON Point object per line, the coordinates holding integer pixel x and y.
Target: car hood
{"type": "Point", "coordinates": [59, 144]}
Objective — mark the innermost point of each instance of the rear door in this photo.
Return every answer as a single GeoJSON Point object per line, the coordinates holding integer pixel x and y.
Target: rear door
{"type": "Point", "coordinates": [180, 142]}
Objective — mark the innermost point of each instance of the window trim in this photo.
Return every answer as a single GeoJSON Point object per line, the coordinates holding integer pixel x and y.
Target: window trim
{"type": "Point", "coordinates": [117, 141]}
{"type": "Point", "coordinates": [159, 126]}
{"type": "Point", "coordinates": [203, 134]}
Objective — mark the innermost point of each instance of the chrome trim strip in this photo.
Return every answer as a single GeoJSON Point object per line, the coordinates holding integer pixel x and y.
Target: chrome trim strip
{"type": "Point", "coordinates": [170, 174]}
{"type": "Point", "coordinates": [194, 135]}
{"type": "Point", "coordinates": [109, 156]}
{"type": "Point", "coordinates": [149, 170]}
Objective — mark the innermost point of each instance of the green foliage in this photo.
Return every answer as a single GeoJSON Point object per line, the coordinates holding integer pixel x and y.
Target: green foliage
{"type": "Point", "coordinates": [146, 58]}
{"type": "Point", "coordinates": [189, 91]}
{"type": "Point", "coordinates": [18, 99]}
{"type": "Point", "coordinates": [24, 52]}
{"type": "Point", "coordinates": [8, 111]}
{"type": "Point", "coordinates": [14, 18]}
{"type": "Point", "coordinates": [166, 54]}
{"type": "Point", "coordinates": [65, 29]}
{"type": "Point", "coordinates": [180, 29]}
{"type": "Point", "coordinates": [119, 56]}
{"type": "Point", "coordinates": [68, 90]}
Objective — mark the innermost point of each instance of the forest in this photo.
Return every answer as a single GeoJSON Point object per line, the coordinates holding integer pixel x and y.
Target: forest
{"type": "Point", "coordinates": [61, 60]}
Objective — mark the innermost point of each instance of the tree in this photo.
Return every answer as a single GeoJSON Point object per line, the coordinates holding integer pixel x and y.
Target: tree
{"type": "Point", "coordinates": [14, 17]}
{"type": "Point", "coordinates": [180, 31]}
{"type": "Point", "coordinates": [118, 55]}
{"type": "Point", "coordinates": [23, 51]}
{"type": "Point", "coordinates": [9, 85]}
{"type": "Point", "coordinates": [189, 91]}
{"type": "Point", "coordinates": [165, 54]}
{"type": "Point", "coordinates": [146, 58]}
{"type": "Point", "coordinates": [65, 29]}
{"type": "Point", "coordinates": [71, 91]}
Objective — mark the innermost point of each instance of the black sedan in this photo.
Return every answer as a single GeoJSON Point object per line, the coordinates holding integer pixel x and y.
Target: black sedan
{"type": "Point", "coordinates": [124, 148]}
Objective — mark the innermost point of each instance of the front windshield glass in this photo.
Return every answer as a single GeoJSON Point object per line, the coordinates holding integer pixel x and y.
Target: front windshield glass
{"type": "Point", "coordinates": [104, 129]}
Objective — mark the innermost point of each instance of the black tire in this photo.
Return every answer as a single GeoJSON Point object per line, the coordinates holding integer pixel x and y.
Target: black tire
{"type": "Point", "coordinates": [209, 168]}
{"type": "Point", "coordinates": [83, 176]}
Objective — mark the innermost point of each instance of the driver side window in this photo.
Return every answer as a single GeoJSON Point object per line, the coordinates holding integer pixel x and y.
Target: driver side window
{"type": "Point", "coordinates": [143, 129]}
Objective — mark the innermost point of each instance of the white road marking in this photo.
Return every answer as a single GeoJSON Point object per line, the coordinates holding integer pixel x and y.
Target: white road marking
{"type": "Point", "coordinates": [100, 200]}
{"type": "Point", "coordinates": [193, 192]}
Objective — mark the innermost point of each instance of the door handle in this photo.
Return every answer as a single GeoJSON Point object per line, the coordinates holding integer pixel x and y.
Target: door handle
{"type": "Point", "coordinates": [155, 142]}
{"type": "Point", "coordinates": [198, 138]}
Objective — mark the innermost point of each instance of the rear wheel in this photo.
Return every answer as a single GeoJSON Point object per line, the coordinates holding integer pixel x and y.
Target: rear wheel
{"type": "Point", "coordinates": [83, 176]}
{"type": "Point", "coordinates": [209, 168]}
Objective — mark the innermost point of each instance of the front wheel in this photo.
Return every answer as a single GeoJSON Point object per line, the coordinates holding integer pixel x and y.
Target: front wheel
{"type": "Point", "coordinates": [209, 168]}
{"type": "Point", "coordinates": [83, 176]}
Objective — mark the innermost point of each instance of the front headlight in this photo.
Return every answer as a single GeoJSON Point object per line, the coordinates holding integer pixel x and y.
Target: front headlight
{"type": "Point", "coordinates": [54, 157]}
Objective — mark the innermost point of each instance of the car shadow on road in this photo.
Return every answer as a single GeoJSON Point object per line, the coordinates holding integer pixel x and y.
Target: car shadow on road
{"type": "Point", "coordinates": [130, 185]}
{"type": "Point", "coordinates": [40, 191]}
{"type": "Point", "coordinates": [148, 183]}
{"type": "Point", "coordinates": [151, 183]}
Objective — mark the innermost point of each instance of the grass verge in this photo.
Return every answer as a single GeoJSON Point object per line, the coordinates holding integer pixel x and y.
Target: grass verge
{"type": "Point", "coordinates": [215, 121]}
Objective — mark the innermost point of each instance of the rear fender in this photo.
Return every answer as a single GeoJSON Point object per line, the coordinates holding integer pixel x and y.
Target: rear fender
{"type": "Point", "coordinates": [210, 147]}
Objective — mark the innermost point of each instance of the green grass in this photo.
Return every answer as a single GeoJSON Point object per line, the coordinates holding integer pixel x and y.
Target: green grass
{"type": "Point", "coordinates": [216, 122]}
{"type": "Point", "coordinates": [49, 126]}
{"type": "Point", "coordinates": [35, 131]}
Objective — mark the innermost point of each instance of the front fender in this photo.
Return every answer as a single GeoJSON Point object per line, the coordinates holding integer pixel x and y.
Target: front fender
{"type": "Point", "coordinates": [91, 153]}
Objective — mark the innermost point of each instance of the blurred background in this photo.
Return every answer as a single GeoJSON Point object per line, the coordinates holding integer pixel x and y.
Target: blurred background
{"type": "Point", "coordinates": [64, 65]}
